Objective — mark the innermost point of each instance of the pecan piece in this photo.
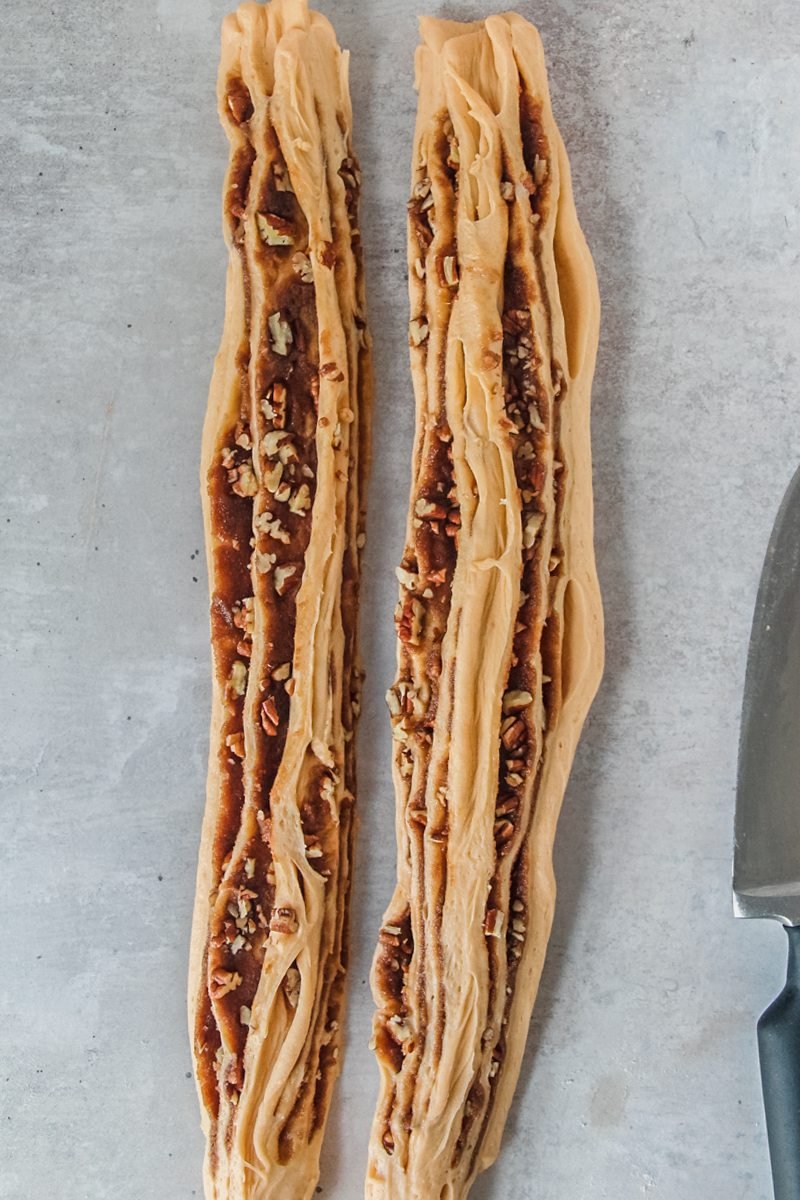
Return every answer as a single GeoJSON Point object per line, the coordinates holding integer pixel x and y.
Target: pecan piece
{"type": "Point", "coordinates": [269, 716]}
{"type": "Point", "coordinates": [284, 920]}
{"type": "Point", "coordinates": [223, 982]}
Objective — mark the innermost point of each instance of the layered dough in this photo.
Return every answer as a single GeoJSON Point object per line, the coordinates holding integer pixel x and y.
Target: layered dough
{"type": "Point", "coordinates": [499, 619]}
{"type": "Point", "coordinates": [283, 470]}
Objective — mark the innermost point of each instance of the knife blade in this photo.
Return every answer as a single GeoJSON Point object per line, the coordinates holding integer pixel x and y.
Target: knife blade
{"type": "Point", "coordinates": [766, 858]}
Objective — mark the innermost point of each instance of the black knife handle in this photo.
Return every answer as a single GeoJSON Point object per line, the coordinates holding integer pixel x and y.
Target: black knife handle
{"type": "Point", "coordinates": [779, 1051]}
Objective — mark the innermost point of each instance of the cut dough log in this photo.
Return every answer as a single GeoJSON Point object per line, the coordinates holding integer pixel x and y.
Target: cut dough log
{"type": "Point", "coordinates": [499, 621]}
{"type": "Point", "coordinates": [284, 461]}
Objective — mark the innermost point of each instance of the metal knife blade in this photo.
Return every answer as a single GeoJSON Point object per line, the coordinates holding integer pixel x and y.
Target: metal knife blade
{"type": "Point", "coordinates": [766, 859]}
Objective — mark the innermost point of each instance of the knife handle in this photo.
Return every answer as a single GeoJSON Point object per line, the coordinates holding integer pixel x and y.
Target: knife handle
{"type": "Point", "coordinates": [779, 1052]}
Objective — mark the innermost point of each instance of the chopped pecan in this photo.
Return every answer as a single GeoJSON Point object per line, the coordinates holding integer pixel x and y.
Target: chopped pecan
{"type": "Point", "coordinates": [418, 332]}
{"type": "Point", "coordinates": [428, 510]}
{"type": "Point", "coordinates": [280, 334]}
{"type": "Point", "coordinates": [291, 986]}
{"type": "Point", "coordinates": [503, 831]}
{"type": "Point", "coordinates": [238, 678]}
{"type": "Point", "coordinates": [513, 732]}
{"type": "Point", "coordinates": [450, 271]}
{"type": "Point", "coordinates": [269, 716]}
{"type": "Point", "coordinates": [235, 743]}
{"type": "Point", "coordinates": [243, 480]}
{"type": "Point", "coordinates": [538, 474]}
{"type": "Point", "coordinates": [409, 625]}
{"type": "Point", "coordinates": [235, 1073]}
{"type": "Point", "coordinates": [284, 578]}
{"type": "Point", "coordinates": [274, 230]}
{"type": "Point", "coordinates": [284, 920]}
{"type": "Point", "coordinates": [273, 406]}
{"type": "Point", "coordinates": [223, 982]}
{"type": "Point", "coordinates": [533, 523]}
{"type": "Point", "coordinates": [240, 104]}
{"type": "Point", "coordinates": [516, 321]}
{"type": "Point", "coordinates": [301, 265]}
{"type": "Point", "coordinates": [493, 922]}
{"type": "Point", "coordinates": [301, 500]}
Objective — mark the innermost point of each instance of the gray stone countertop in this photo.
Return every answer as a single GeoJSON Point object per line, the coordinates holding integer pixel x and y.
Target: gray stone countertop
{"type": "Point", "coordinates": [682, 122]}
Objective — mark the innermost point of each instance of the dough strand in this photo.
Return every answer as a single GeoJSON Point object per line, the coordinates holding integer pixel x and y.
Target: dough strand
{"type": "Point", "coordinates": [284, 462]}
{"type": "Point", "coordinates": [499, 620]}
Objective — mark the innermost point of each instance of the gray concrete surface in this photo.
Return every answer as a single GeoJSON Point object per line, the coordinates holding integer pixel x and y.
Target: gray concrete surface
{"type": "Point", "coordinates": [682, 122]}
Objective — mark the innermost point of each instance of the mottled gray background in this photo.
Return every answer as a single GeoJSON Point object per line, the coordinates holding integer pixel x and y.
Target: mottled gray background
{"type": "Point", "coordinates": [682, 123]}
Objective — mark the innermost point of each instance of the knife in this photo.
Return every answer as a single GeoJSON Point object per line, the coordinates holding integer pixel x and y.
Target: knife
{"type": "Point", "coordinates": [766, 856]}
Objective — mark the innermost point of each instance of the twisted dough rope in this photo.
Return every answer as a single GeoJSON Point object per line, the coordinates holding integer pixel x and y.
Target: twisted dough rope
{"type": "Point", "coordinates": [283, 469]}
{"type": "Point", "coordinates": [499, 621]}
